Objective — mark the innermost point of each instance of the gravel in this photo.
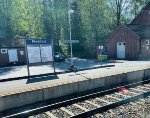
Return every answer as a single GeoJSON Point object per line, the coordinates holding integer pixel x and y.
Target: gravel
{"type": "Point", "coordinates": [118, 96]}
{"type": "Point", "coordinates": [42, 116]}
{"type": "Point", "coordinates": [59, 113]}
{"type": "Point", "coordinates": [145, 89]}
{"type": "Point", "coordinates": [106, 98]}
{"type": "Point", "coordinates": [137, 109]}
{"type": "Point", "coordinates": [98, 102]}
{"type": "Point", "coordinates": [86, 105]}
{"type": "Point", "coordinates": [74, 109]}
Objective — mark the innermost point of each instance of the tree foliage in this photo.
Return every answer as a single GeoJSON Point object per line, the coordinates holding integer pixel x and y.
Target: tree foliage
{"type": "Point", "coordinates": [91, 23]}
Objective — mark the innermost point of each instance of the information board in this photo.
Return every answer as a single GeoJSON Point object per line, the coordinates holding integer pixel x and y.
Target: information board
{"type": "Point", "coordinates": [34, 54]}
{"type": "Point", "coordinates": [39, 52]}
{"type": "Point", "coordinates": [46, 54]}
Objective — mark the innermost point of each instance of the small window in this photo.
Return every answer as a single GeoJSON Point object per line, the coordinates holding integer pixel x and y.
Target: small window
{"type": "Point", "coordinates": [3, 51]}
{"type": "Point", "coordinates": [147, 42]}
{"type": "Point", "coordinates": [119, 43]}
{"type": "Point", "coordinates": [21, 52]}
{"type": "Point", "coordinates": [124, 43]}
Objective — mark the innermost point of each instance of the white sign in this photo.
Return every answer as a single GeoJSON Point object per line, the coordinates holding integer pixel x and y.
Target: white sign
{"type": "Point", "coordinates": [21, 52]}
{"type": "Point", "coordinates": [13, 57]}
{"type": "Point", "coordinates": [72, 41]}
{"type": "Point", "coordinates": [46, 53]}
{"type": "Point", "coordinates": [3, 50]}
{"type": "Point", "coordinates": [100, 47]}
{"type": "Point", "coordinates": [34, 54]}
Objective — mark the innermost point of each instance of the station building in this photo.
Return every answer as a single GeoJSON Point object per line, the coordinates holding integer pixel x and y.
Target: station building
{"type": "Point", "coordinates": [131, 41]}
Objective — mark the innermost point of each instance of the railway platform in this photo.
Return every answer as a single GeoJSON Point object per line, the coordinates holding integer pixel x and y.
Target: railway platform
{"type": "Point", "coordinates": [12, 96]}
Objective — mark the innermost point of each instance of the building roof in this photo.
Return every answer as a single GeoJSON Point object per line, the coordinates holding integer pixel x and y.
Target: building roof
{"type": "Point", "coordinates": [142, 31]}
{"type": "Point", "coordinates": [141, 23]}
{"type": "Point", "coordinates": [143, 18]}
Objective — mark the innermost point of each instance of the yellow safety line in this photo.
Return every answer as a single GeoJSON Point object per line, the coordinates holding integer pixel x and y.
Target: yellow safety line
{"type": "Point", "coordinates": [32, 89]}
{"type": "Point", "coordinates": [23, 85]}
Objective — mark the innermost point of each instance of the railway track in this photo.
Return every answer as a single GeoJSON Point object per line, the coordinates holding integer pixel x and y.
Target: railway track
{"type": "Point", "coordinates": [95, 105]}
{"type": "Point", "coordinates": [136, 109]}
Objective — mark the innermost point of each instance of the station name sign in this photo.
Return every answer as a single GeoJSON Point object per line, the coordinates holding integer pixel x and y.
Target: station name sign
{"type": "Point", "coordinates": [38, 42]}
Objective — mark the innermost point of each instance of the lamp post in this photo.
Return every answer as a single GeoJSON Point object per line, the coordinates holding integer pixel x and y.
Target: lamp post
{"type": "Point", "coordinates": [72, 67]}
{"type": "Point", "coordinates": [69, 15]}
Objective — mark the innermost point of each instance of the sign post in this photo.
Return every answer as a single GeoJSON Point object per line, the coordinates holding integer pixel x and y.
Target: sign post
{"type": "Point", "coordinates": [53, 57]}
{"type": "Point", "coordinates": [100, 52]}
{"type": "Point", "coordinates": [27, 59]}
{"type": "Point", "coordinates": [39, 52]}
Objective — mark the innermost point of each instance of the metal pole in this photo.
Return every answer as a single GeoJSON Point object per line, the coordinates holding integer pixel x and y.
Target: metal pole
{"type": "Point", "coordinates": [70, 38]}
{"type": "Point", "coordinates": [27, 59]}
{"type": "Point", "coordinates": [100, 53]}
{"type": "Point", "coordinates": [53, 46]}
{"type": "Point", "coordinates": [53, 56]}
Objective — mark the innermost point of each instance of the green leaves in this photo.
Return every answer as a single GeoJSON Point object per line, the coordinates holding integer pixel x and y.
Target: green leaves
{"type": "Point", "coordinates": [92, 21]}
{"type": "Point", "coordinates": [27, 18]}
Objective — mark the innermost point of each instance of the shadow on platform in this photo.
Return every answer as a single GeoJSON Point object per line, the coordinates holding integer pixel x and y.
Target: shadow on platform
{"type": "Point", "coordinates": [40, 79]}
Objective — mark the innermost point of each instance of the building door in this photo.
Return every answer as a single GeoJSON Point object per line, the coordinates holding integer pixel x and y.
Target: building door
{"type": "Point", "coordinates": [13, 57]}
{"type": "Point", "coordinates": [121, 50]}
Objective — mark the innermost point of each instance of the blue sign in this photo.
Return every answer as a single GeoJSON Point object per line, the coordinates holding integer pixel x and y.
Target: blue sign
{"type": "Point", "coordinates": [38, 42]}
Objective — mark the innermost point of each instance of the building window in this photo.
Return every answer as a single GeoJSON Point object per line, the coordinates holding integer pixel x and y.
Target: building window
{"type": "Point", "coordinates": [21, 52]}
{"type": "Point", "coordinates": [147, 42]}
{"type": "Point", "coordinates": [3, 51]}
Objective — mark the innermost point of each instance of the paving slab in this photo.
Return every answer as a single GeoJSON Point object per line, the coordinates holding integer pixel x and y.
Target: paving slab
{"type": "Point", "coordinates": [19, 71]}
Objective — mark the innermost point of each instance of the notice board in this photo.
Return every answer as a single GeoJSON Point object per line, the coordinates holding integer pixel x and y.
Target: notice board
{"type": "Point", "coordinates": [39, 52]}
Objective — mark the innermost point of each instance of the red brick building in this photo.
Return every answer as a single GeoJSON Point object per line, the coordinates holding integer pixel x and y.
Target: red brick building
{"type": "Point", "coordinates": [12, 52]}
{"type": "Point", "coordinates": [131, 41]}
{"type": "Point", "coordinates": [11, 55]}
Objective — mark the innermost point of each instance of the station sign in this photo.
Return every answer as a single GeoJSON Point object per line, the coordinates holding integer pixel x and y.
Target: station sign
{"type": "Point", "coordinates": [38, 42]}
{"type": "Point", "coordinates": [70, 41]}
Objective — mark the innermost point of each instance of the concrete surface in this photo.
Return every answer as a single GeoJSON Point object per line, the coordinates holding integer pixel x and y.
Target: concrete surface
{"type": "Point", "coordinates": [69, 83]}
{"type": "Point", "coordinates": [135, 75]}
{"type": "Point", "coordinates": [17, 100]}
{"type": "Point", "coordinates": [146, 73]}
{"type": "Point", "coordinates": [18, 71]}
